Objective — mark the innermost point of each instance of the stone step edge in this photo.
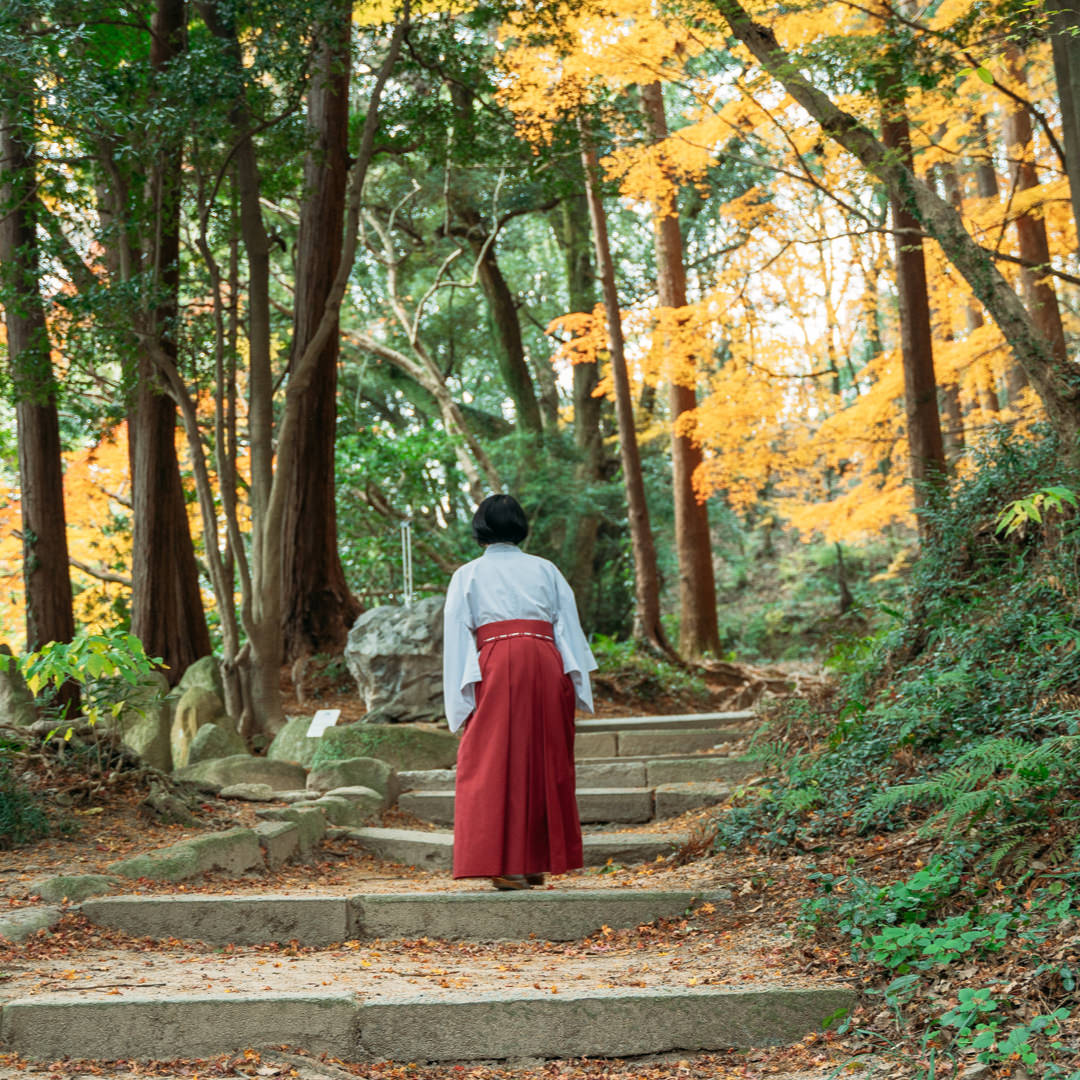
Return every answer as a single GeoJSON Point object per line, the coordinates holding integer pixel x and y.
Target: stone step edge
{"type": "Point", "coordinates": [671, 722]}
{"type": "Point", "coordinates": [456, 1026]}
{"type": "Point", "coordinates": [599, 805]}
{"type": "Point", "coordinates": [325, 921]}
{"type": "Point", "coordinates": [268, 845]}
{"type": "Point", "coordinates": [434, 848]}
{"type": "Point", "coordinates": [595, 792]}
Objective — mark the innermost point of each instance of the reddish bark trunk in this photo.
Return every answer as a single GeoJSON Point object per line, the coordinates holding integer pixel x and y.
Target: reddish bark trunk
{"type": "Point", "coordinates": [571, 224]}
{"type": "Point", "coordinates": [698, 629]}
{"type": "Point", "coordinates": [317, 607]}
{"type": "Point", "coordinates": [167, 612]}
{"type": "Point", "coordinates": [1064, 18]}
{"type": "Point", "coordinates": [926, 446]}
{"type": "Point", "coordinates": [647, 626]}
{"type": "Point", "coordinates": [1039, 296]}
{"type": "Point", "coordinates": [46, 578]}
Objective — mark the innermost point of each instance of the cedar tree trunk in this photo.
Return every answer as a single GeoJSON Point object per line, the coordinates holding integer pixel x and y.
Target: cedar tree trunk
{"type": "Point", "coordinates": [166, 606]}
{"type": "Point", "coordinates": [1064, 16]}
{"type": "Point", "coordinates": [925, 443]}
{"type": "Point", "coordinates": [49, 614]}
{"type": "Point", "coordinates": [317, 607]}
{"type": "Point", "coordinates": [570, 222]}
{"type": "Point", "coordinates": [647, 626]}
{"type": "Point", "coordinates": [698, 629]}
{"type": "Point", "coordinates": [1039, 296]}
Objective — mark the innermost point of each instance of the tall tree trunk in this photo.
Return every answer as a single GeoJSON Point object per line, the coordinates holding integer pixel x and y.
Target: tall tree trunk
{"type": "Point", "coordinates": [46, 579]}
{"type": "Point", "coordinates": [259, 662]}
{"type": "Point", "coordinates": [925, 443]}
{"type": "Point", "coordinates": [1054, 381]}
{"type": "Point", "coordinates": [986, 178]}
{"type": "Point", "coordinates": [698, 629]}
{"type": "Point", "coordinates": [986, 187]}
{"type": "Point", "coordinates": [949, 401]}
{"type": "Point", "coordinates": [1064, 16]}
{"type": "Point", "coordinates": [1039, 296]}
{"type": "Point", "coordinates": [510, 349]}
{"type": "Point", "coordinates": [166, 605]}
{"type": "Point", "coordinates": [317, 609]}
{"type": "Point", "coordinates": [570, 222]}
{"type": "Point", "coordinates": [647, 626]}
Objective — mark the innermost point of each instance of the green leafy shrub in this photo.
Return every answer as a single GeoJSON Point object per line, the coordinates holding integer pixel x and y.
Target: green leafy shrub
{"type": "Point", "coordinates": [630, 670]}
{"type": "Point", "coordinates": [22, 816]}
{"type": "Point", "coordinates": [965, 711]}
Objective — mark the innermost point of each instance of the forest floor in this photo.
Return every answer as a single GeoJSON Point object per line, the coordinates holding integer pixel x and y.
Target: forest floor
{"type": "Point", "coordinates": [745, 937]}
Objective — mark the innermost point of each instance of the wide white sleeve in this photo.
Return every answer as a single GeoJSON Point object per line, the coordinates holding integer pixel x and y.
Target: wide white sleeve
{"type": "Point", "coordinates": [461, 663]}
{"type": "Point", "coordinates": [571, 642]}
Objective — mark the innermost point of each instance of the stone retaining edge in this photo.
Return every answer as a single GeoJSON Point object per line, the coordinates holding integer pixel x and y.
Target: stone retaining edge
{"type": "Point", "coordinates": [424, 1027]}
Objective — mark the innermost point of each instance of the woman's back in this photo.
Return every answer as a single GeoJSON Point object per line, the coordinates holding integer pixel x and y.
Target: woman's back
{"type": "Point", "coordinates": [506, 583]}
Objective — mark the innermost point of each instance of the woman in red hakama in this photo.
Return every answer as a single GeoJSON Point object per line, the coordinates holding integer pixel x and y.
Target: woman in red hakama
{"type": "Point", "coordinates": [515, 663]}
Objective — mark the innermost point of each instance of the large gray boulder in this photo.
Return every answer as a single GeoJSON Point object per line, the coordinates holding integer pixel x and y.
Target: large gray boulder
{"type": "Point", "coordinates": [365, 772]}
{"type": "Point", "coordinates": [196, 708]}
{"type": "Point", "coordinates": [215, 740]}
{"type": "Point", "coordinates": [145, 722]}
{"type": "Point", "coordinates": [16, 701]}
{"type": "Point", "coordinates": [291, 743]}
{"type": "Point", "coordinates": [243, 769]}
{"type": "Point", "coordinates": [205, 673]}
{"type": "Point", "coordinates": [404, 746]}
{"type": "Point", "coordinates": [395, 656]}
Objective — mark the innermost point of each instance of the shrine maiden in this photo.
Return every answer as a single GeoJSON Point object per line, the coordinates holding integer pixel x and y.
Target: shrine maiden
{"type": "Point", "coordinates": [515, 663]}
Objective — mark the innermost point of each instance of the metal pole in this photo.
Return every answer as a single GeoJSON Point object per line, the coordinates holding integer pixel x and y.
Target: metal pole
{"type": "Point", "coordinates": [406, 560]}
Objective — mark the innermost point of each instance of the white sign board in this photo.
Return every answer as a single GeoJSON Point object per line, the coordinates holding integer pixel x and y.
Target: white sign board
{"type": "Point", "coordinates": [323, 719]}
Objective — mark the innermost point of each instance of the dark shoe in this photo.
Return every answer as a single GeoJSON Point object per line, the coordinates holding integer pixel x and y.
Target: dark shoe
{"type": "Point", "coordinates": [510, 883]}
{"type": "Point", "coordinates": [536, 879]}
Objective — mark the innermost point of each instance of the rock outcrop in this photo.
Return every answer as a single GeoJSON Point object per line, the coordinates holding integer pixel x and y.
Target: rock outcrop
{"type": "Point", "coordinates": [395, 655]}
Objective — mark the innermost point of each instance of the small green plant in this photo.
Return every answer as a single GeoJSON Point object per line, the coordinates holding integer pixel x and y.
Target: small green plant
{"type": "Point", "coordinates": [105, 668]}
{"type": "Point", "coordinates": [633, 670]}
{"type": "Point", "coordinates": [22, 815]}
{"type": "Point", "coordinates": [1032, 507]}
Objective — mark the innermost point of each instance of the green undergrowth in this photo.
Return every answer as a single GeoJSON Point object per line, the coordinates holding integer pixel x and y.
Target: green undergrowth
{"type": "Point", "coordinates": [630, 672]}
{"type": "Point", "coordinates": [958, 722]}
{"type": "Point", "coordinates": [22, 814]}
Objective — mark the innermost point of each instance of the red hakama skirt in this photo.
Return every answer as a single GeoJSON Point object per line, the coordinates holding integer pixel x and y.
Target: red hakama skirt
{"type": "Point", "coordinates": [515, 810]}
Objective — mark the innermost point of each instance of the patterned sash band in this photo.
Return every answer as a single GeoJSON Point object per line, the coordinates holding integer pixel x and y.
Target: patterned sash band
{"type": "Point", "coordinates": [514, 628]}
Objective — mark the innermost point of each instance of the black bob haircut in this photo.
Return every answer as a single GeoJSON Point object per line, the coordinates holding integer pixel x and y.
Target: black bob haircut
{"type": "Point", "coordinates": [499, 519]}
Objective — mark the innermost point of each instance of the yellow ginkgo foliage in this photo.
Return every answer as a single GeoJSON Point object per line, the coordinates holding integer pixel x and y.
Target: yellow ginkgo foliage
{"type": "Point", "coordinates": [791, 335]}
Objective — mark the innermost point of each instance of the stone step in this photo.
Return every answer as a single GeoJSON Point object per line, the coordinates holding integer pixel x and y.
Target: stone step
{"type": "Point", "coordinates": [319, 921]}
{"type": "Point", "coordinates": [434, 850]}
{"type": "Point", "coordinates": [450, 1026]}
{"type": "Point", "coordinates": [651, 742]}
{"type": "Point", "coordinates": [609, 805]}
{"type": "Point", "coordinates": [684, 721]}
{"type": "Point", "coordinates": [616, 772]}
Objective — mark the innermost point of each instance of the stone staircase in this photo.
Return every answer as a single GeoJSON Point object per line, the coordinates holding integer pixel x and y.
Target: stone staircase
{"type": "Point", "coordinates": [349, 1001]}
{"type": "Point", "coordinates": [624, 789]}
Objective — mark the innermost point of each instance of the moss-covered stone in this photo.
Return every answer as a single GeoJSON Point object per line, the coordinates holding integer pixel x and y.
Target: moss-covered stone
{"type": "Point", "coordinates": [242, 769]}
{"type": "Point", "coordinates": [215, 740]}
{"type": "Point", "coordinates": [349, 810]}
{"type": "Point", "coordinates": [356, 772]}
{"type": "Point", "coordinates": [405, 746]}
{"type": "Point", "coordinates": [197, 708]}
{"type": "Point", "coordinates": [175, 863]}
{"type": "Point", "coordinates": [291, 743]}
{"type": "Point", "coordinates": [234, 850]}
{"type": "Point", "coordinates": [204, 673]}
{"type": "Point", "coordinates": [72, 887]}
{"type": "Point", "coordinates": [308, 816]}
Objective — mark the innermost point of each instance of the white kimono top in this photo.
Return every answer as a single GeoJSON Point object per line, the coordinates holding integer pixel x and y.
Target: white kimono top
{"type": "Point", "coordinates": [505, 583]}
